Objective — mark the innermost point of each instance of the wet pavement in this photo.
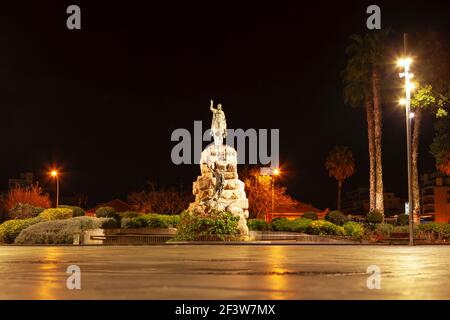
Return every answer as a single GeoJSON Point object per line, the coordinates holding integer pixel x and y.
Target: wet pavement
{"type": "Point", "coordinates": [225, 272]}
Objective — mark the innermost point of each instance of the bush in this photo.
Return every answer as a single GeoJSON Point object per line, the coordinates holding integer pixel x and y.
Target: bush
{"type": "Point", "coordinates": [374, 217]}
{"type": "Point", "coordinates": [402, 219]}
{"type": "Point", "coordinates": [10, 229]}
{"type": "Point", "coordinates": [220, 224]}
{"type": "Point", "coordinates": [56, 214]}
{"type": "Point", "coordinates": [436, 230]}
{"type": "Point", "coordinates": [310, 215]}
{"type": "Point", "coordinates": [280, 224]}
{"type": "Point", "coordinates": [300, 225]}
{"type": "Point", "coordinates": [61, 231]}
{"type": "Point", "coordinates": [257, 225]}
{"type": "Point", "coordinates": [96, 223]}
{"type": "Point", "coordinates": [24, 211]}
{"type": "Point", "coordinates": [50, 232]}
{"type": "Point", "coordinates": [106, 212]}
{"type": "Point", "coordinates": [354, 230]}
{"type": "Point", "coordinates": [384, 230]}
{"type": "Point", "coordinates": [322, 227]}
{"type": "Point", "coordinates": [76, 211]}
{"type": "Point", "coordinates": [336, 217]}
{"type": "Point", "coordinates": [151, 220]}
{"type": "Point", "coordinates": [129, 214]}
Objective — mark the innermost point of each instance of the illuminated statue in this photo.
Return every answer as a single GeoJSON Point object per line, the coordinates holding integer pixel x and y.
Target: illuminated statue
{"type": "Point", "coordinates": [218, 125]}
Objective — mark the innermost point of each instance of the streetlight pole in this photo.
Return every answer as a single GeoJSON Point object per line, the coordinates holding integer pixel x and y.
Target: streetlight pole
{"type": "Point", "coordinates": [275, 172]}
{"type": "Point", "coordinates": [57, 191]}
{"type": "Point", "coordinates": [55, 174]}
{"type": "Point", "coordinates": [407, 75]}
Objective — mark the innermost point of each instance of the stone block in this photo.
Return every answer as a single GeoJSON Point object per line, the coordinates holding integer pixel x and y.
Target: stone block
{"type": "Point", "coordinates": [230, 175]}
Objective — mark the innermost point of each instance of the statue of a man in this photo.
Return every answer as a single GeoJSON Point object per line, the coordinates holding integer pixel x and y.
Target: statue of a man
{"type": "Point", "coordinates": [218, 125]}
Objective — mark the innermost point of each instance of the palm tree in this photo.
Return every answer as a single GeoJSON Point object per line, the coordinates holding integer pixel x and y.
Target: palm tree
{"type": "Point", "coordinates": [340, 165]}
{"type": "Point", "coordinates": [357, 92]}
{"type": "Point", "coordinates": [363, 73]}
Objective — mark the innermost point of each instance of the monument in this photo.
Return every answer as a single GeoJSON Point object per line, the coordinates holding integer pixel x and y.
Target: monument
{"type": "Point", "coordinates": [218, 188]}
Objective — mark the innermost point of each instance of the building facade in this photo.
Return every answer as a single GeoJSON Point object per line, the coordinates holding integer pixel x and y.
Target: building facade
{"type": "Point", "coordinates": [435, 197]}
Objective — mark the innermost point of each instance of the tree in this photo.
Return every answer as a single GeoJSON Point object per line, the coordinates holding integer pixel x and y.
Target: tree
{"type": "Point", "coordinates": [432, 67]}
{"type": "Point", "coordinates": [362, 81]}
{"type": "Point", "coordinates": [160, 200]}
{"type": "Point", "coordinates": [32, 195]}
{"type": "Point", "coordinates": [440, 148]}
{"type": "Point", "coordinates": [340, 165]}
{"type": "Point", "coordinates": [258, 189]}
{"type": "Point", "coordinates": [357, 92]}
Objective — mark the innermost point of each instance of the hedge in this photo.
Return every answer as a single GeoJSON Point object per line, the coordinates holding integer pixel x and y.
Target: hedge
{"type": "Point", "coordinates": [106, 212]}
{"type": "Point", "coordinates": [24, 211]}
{"type": "Point", "coordinates": [336, 217]}
{"type": "Point", "coordinates": [76, 211]}
{"type": "Point", "coordinates": [56, 214]}
{"type": "Point", "coordinates": [258, 225]}
{"type": "Point", "coordinates": [354, 230]}
{"type": "Point", "coordinates": [10, 229]}
{"type": "Point", "coordinates": [61, 231]}
{"type": "Point", "coordinates": [322, 227]}
{"type": "Point", "coordinates": [222, 225]}
{"type": "Point", "coordinates": [151, 220]}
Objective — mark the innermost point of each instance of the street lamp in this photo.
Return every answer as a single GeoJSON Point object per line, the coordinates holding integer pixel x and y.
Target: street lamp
{"type": "Point", "coordinates": [275, 173]}
{"type": "Point", "coordinates": [55, 174]}
{"type": "Point", "coordinates": [405, 63]}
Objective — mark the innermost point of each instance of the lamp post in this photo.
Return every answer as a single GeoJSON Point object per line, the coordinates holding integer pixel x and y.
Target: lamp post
{"type": "Point", "coordinates": [405, 64]}
{"type": "Point", "coordinates": [275, 173]}
{"type": "Point", "coordinates": [55, 174]}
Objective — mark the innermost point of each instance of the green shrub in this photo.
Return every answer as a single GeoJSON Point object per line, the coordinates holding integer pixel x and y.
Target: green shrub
{"type": "Point", "coordinates": [129, 214]}
{"type": "Point", "coordinates": [300, 225]}
{"type": "Point", "coordinates": [354, 230]}
{"type": "Point", "coordinates": [384, 230]}
{"type": "Point", "coordinates": [151, 220]}
{"type": "Point", "coordinates": [219, 224]}
{"type": "Point", "coordinates": [76, 211]}
{"type": "Point", "coordinates": [336, 217]}
{"type": "Point", "coordinates": [24, 211]}
{"type": "Point", "coordinates": [297, 225]}
{"type": "Point", "coordinates": [96, 223]}
{"type": "Point", "coordinates": [322, 227]}
{"type": "Point", "coordinates": [56, 214]}
{"type": "Point", "coordinates": [374, 217]}
{"type": "Point", "coordinates": [257, 225]}
{"type": "Point", "coordinates": [280, 224]}
{"type": "Point", "coordinates": [310, 215]}
{"type": "Point", "coordinates": [10, 229]}
{"type": "Point", "coordinates": [106, 212]}
{"type": "Point", "coordinates": [440, 230]}
{"type": "Point", "coordinates": [50, 232]}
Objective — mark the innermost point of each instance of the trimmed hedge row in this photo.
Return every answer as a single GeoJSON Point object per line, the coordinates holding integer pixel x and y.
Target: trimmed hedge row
{"type": "Point", "coordinates": [10, 229]}
{"type": "Point", "coordinates": [151, 220]}
{"type": "Point", "coordinates": [61, 231]}
{"type": "Point", "coordinates": [318, 227]}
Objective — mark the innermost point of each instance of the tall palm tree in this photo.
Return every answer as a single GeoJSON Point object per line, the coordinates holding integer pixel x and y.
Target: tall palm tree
{"type": "Point", "coordinates": [363, 71]}
{"type": "Point", "coordinates": [340, 165]}
{"type": "Point", "coordinates": [357, 92]}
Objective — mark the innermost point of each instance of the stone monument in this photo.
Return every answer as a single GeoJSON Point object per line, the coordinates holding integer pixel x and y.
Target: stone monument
{"type": "Point", "coordinates": [218, 188]}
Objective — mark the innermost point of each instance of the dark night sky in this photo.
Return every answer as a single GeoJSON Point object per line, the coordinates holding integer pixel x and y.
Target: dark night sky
{"type": "Point", "coordinates": [102, 102]}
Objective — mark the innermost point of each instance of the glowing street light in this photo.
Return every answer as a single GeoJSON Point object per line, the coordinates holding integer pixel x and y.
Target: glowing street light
{"type": "Point", "coordinates": [405, 63]}
{"type": "Point", "coordinates": [55, 174]}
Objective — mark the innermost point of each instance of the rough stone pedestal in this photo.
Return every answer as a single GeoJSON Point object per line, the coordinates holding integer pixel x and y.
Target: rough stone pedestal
{"type": "Point", "coordinates": [216, 162]}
